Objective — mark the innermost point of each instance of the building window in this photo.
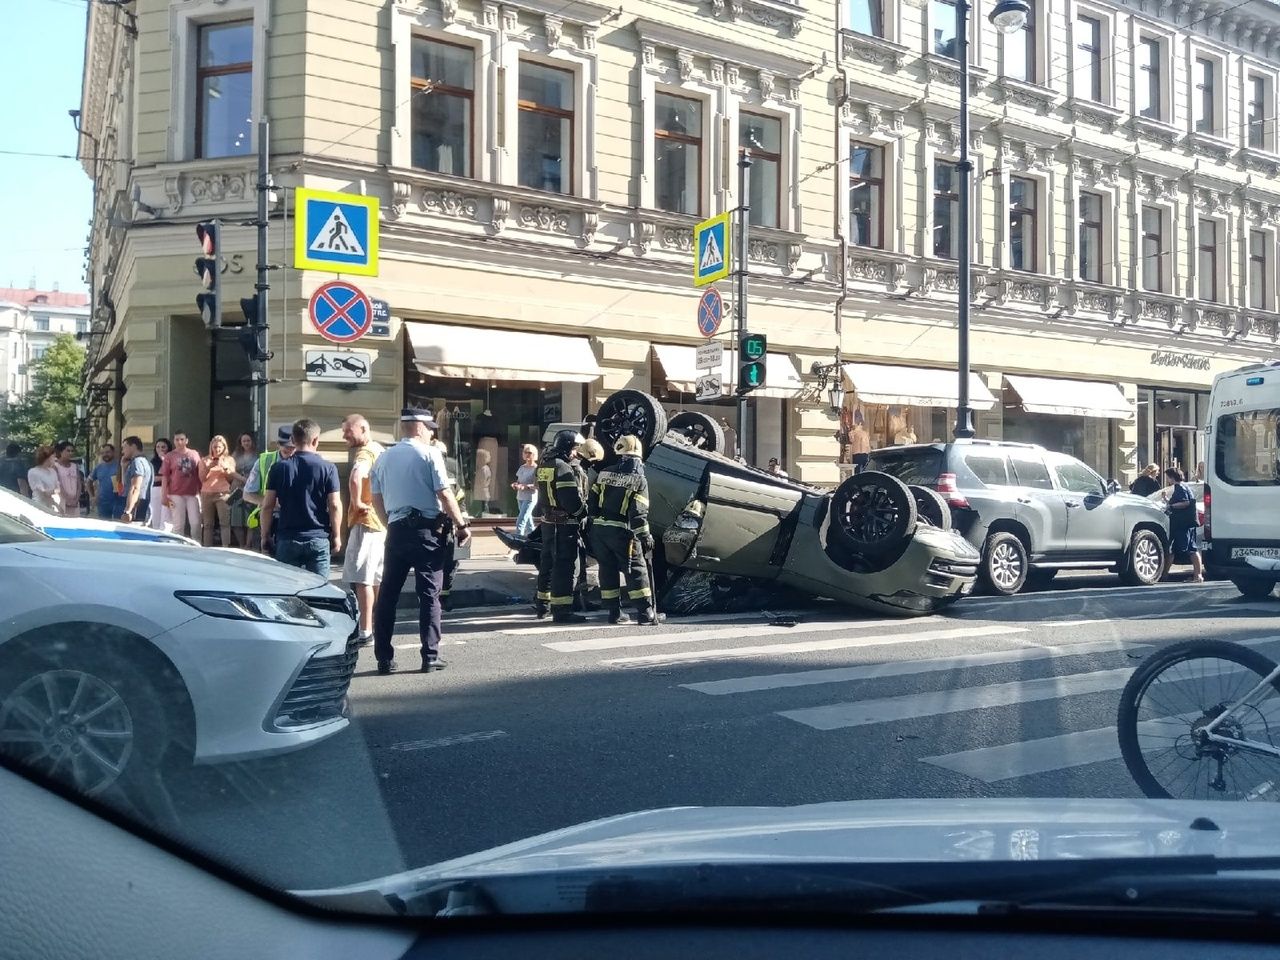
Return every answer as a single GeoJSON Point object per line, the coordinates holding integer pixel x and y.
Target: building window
{"type": "Point", "coordinates": [1090, 233]}
{"type": "Point", "coordinates": [763, 135]}
{"type": "Point", "coordinates": [866, 16]}
{"type": "Point", "coordinates": [443, 80]}
{"type": "Point", "coordinates": [1089, 56]}
{"type": "Point", "coordinates": [944, 18]}
{"type": "Point", "coordinates": [866, 195]}
{"type": "Point", "coordinates": [82, 325]}
{"type": "Point", "coordinates": [1148, 83]}
{"type": "Point", "coordinates": [545, 153]}
{"type": "Point", "coordinates": [1259, 271]}
{"type": "Point", "coordinates": [1258, 97]}
{"type": "Point", "coordinates": [1207, 259]}
{"type": "Point", "coordinates": [224, 89]}
{"type": "Point", "coordinates": [677, 151]}
{"type": "Point", "coordinates": [42, 324]}
{"type": "Point", "coordinates": [1022, 223]}
{"type": "Point", "coordinates": [1152, 249]}
{"type": "Point", "coordinates": [946, 204]}
{"type": "Point", "coordinates": [1020, 50]}
{"type": "Point", "coordinates": [1204, 83]}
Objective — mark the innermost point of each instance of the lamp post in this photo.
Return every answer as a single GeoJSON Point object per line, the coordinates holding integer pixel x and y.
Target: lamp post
{"type": "Point", "coordinates": [1007, 16]}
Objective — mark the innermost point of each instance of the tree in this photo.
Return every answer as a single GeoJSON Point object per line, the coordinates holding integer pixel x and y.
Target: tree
{"type": "Point", "coordinates": [48, 411]}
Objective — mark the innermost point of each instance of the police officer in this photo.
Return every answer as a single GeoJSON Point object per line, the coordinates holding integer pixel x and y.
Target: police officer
{"type": "Point", "coordinates": [451, 536]}
{"type": "Point", "coordinates": [411, 495]}
{"type": "Point", "coordinates": [560, 488]}
{"type": "Point", "coordinates": [620, 537]}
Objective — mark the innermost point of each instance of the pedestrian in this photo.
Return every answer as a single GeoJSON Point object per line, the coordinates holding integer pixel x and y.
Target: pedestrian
{"type": "Point", "coordinates": [1183, 525]}
{"type": "Point", "coordinates": [526, 488]}
{"type": "Point", "coordinates": [560, 480]}
{"type": "Point", "coordinates": [450, 538]}
{"type": "Point", "coordinates": [138, 475]}
{"type": "Point", "coordinates": [159, 514]}
{"type": "Point", "coordinates": [70, 477]}
{"type": "Point", "coordinates": [411, 496]}
{"type": "Point", "coordinates": [1148, 482]}
{"type": "Point", "coordinates": [180, 487]}
{"type": "Point", "coordinates": [217, 476]}
{"type": "Point", "coordinates": [253, 484]}
{"type": "Point", "coordinates": [309, 530]}
{"type": "Point", "coordinates": [102, 483]}
{"type": "Point", "coordinates": [13, 471]}
{"type": "Point", "coordinates": [366, 534]}
{"type": "Point", "coordinates": [246, 456]}
{"type": "Point", "coordinates": [620, 537]}
{"type": "Point", "coordinates": [775, 468]}
{"type": "Point", "coordinates": [42, 480]}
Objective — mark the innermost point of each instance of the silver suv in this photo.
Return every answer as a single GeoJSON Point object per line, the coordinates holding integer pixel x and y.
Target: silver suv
{"type": "Point", "coordinates": [1033, 512]}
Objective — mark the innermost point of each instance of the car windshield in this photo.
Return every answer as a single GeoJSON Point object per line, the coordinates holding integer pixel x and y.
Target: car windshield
{"type": "Point", "coordinates": [613, 442]}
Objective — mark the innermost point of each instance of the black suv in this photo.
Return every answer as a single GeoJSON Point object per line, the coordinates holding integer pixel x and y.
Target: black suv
{"type": "Point", "coordinates": [1033, 512]}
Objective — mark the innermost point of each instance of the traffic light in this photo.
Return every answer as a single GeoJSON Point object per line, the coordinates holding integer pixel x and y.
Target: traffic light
{"type": "Point", "coordinates": [751, 365]}
{"type": "Point", "coordinates": [209, 270]}
{"type": "Point", "coordinates": [249, 334]}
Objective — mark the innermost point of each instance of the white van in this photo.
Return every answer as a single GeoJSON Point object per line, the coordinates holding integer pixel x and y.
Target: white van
{"type": "Point", "coordinates": [1242, 488]}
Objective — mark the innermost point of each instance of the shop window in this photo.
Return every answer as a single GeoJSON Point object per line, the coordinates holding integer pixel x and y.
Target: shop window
{"type": "Point", "coordinates": [992, 470]}
{"type": "Point", "coordinates": [677, 152]}
{"type": "Point", "coordinates": [866, 195]}
{"type": "Point", "coordinates": [1203, 95]}
{"type": "Point", "coordinates": [943, 21]}
{"type": "Point", "coordinates": [1247, 449]}
{"type": "Point", "coordinates": [1149, 81]}
{"type": "Point", "coordinates": [1259, 270]}
{"type": "Point", "coordinates": [1153, 252]}
{"type": "Point", "coordinates": [1029, 471]}
{"type": "Point", "coordinates": [763, 137]}
{"type": "Point", "coordinates": [946, 208]}
{"type": "Point", "coordinates": [443, 81]}
{"type": "Point", "coordinates": [224, 89]}
{"type": "Point", "coordinates": [867, 16]}
{"type": "Point", "coordinates": [545, 152]}
{"type": "Point", "coordinates": [1022, 223]}
{"type": "Point", "coordinates": [1207, 259]}
{"type": "Point", "coordinates": [1089, 57]}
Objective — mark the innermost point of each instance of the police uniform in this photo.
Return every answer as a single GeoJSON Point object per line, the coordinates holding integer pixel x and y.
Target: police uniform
{"type": "Point", "coordinates": [619, 509]}
{"type": "Point", "coordinates": [451, 536]}
{"type": "Point", "coordinates": [560, 488]}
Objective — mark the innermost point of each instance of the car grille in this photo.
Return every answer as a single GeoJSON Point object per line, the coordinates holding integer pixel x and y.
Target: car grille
{"type": "Point", "coordinates": [957, 568]}
{"type": "Point", "coordinates": [319, 692]}
{"type": "Point", "coordinates": [344, 605]}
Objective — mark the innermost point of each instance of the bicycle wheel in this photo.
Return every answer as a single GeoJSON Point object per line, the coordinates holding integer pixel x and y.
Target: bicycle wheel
{"type": "Point", "coordinates": [1167, 703]}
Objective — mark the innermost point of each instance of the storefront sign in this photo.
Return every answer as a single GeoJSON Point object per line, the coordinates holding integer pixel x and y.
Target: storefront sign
{"type": "Point", "coordinates": [381, 326]}
{"type": "Point", "coordinates": [1188, 361]}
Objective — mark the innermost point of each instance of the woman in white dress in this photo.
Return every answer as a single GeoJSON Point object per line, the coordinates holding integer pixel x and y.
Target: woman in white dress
{"type": "Point", "coordinates": [43, 479]}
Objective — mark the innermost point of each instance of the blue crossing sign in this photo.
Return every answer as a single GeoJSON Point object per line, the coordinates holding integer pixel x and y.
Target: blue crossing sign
{"type": "Point", "coordinates": [336, 232]}
{"type": "Point", "coordinates": [711, 255]}
{"type": "Point", "coordinates": [340, 311]}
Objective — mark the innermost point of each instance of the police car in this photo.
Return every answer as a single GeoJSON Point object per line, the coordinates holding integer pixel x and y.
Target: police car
{"type": "Point", "coordinates": [81, 528]}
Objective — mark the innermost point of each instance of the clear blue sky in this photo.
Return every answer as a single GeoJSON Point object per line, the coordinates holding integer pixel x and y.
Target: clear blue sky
{"type": "Point", "coordinates": [47, 202]}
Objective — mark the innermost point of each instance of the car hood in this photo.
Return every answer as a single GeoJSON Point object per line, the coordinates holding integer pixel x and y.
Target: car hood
{"type": "Point", "coordinates": [863, 831]}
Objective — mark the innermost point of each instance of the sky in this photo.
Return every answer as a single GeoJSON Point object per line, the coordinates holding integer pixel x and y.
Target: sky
{"type": "Point", "coordinates": [47, 202]}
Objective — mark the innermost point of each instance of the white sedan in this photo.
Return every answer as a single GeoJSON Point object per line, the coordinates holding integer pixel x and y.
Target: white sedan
{"type": "Point", "coordinates": [77, 528]}
{"type": "Point", "coordinates": [117, 656]}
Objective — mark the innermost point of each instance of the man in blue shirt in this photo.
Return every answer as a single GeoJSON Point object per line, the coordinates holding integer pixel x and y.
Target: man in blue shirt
{"type": "Point", "coordinates": [102, 482]}
{"type": "Point", "coordinates": [138, 477]}
{"type": "Point", "coordinates": [308, 530]}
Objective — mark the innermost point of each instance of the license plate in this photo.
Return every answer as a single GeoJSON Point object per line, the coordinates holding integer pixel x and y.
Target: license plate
{"type": "Point", "coordinates": [1268, 552]}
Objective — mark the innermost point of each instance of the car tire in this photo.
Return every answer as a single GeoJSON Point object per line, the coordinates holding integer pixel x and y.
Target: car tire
{"type": "Point", "coordinates": [630, 412]}
{"type": "Point", "coordinates": [931, 507]}
{"type": "Point", "coordinates": [1040, 579]}
{"type": "Point", "coordinates": [872, 512]}
{"type": "Point", "coordinates": [699, 429]}
{"type": "Point", "coordinates": [1004, 564]}
{"type": "Point", "coordinates": [1144, 560]}
{"type": "Point", "coordinates": [1254, 589]}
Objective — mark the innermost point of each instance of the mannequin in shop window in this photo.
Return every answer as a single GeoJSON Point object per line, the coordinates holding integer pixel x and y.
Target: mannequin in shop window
{"type": "Point", "coordinates": [905, 435]}
{"type": "Point", "coordinates": [730, 438]}
{"type": "Point", "coordinates": [488, 454]}
{"type": "Point", "coordinates": [859, 442]}
{"type": "Point", "coordinates": [482, 489]}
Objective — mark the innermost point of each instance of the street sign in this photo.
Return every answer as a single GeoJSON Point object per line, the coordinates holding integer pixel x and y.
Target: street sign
{"type": "Point", "coordinates": [381, 326]}
{"type": "Point", "coordinates": [710, 312]}
{"type": "Point", "coordinates": [340, 311]}
{"type": "Point", "coordinates": [337, 232]}
{"type": "Point", "coordinates": [339, 366]}
{"type": "Point", "coordinates": [709, 355]}
{"type": "Point", "coordinates": [711, 254]}
{"type": "Point", "coordinates": [709, 387]}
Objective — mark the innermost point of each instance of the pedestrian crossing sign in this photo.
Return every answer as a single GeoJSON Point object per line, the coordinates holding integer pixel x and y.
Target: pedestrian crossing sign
{"type": "Point", "coordinates": [711, 255]}
{"type": "Point", "coordinates": [335, 232]}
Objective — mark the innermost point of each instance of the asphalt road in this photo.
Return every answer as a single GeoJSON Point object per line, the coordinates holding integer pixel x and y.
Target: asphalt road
{"type": "Point", "coordinates": [535, 727]}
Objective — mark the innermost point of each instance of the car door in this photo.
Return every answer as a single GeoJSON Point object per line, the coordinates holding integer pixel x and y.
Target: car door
{"type": "Point", "coordinates": [1039, 505]}
{"type": "Point", "coordinates": [1095, 520]}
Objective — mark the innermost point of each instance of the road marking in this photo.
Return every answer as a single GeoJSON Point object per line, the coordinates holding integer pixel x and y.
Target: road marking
{"type": "Point", "coordinates": [615, 641]}
{"type": "Point", "coordinates": [900, 668]}
{"type": "Point", "coordinates": [418, 646]}
{"type": "Point", "coordinates": [601, 623]}
{"type": "Point", "coordinates": [812, 646]}
{"type": "Point", "coordinates": [1153, 593]}
{"type": "Point", "coordinates": [410, 745]}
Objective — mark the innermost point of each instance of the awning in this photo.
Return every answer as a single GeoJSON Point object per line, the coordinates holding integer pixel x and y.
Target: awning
{"type": "Point", "coordinates": [483, 353]}
{"type": "Point", "coordinates": [680, 367]}
{"type": "Point", "coordinates": [1070, 398]}
{"type": "Point", "coordinates": [914, 386]}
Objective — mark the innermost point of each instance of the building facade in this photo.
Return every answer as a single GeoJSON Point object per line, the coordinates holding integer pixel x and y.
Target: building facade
{"type": "Point", "coordinates": [540, 167]}
{"type": "Point", "coordinates": [30, 320]}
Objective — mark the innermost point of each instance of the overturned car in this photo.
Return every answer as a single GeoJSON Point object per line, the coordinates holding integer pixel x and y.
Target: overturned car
{"type": "Point", "coordinates": [874, 542]}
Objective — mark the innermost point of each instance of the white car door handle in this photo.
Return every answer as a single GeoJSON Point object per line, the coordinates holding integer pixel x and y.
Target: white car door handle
{"type": "Point", "coordinates": [1073, 503]}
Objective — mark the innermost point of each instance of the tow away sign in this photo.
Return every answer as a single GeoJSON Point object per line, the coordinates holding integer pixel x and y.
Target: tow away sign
{"type": "Point", "coordinates": [339, 366]}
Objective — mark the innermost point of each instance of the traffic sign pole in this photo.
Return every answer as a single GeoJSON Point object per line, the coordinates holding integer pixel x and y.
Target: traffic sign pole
{"type": "Point", "coordinates": [740, 308]}
{"type": "Point", "coordinates": [262, 286]}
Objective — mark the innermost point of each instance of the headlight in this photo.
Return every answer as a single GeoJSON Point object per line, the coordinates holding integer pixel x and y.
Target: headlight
{"type": "Point", "coordinates": [289, 610]}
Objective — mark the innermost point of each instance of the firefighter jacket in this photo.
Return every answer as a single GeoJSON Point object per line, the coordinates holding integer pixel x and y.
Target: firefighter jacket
{"type": "Point", "coordinates": [620, 497]}
{"type": "Point", "coordinates": [561, 489]}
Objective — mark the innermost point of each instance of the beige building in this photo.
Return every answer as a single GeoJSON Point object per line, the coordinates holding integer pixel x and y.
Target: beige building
{"type": "Point", "coordinates": [540, 166]}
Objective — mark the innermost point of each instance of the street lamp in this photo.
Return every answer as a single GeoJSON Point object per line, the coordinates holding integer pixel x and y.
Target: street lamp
{"type": "Point", "coordinates": [1008, 16]}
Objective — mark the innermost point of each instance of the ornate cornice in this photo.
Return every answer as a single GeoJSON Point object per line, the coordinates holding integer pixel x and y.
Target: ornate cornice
{"type": "Point", "coordinates": [874, 50]}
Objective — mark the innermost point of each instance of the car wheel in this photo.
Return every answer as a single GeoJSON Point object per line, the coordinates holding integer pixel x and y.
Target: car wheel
{"type": "Point", "coordinates": [1255, 589]}
{"type": "Point", "coordinates": [1004, 564]}
{"type": "Point", "coordinates": [1040, 579]}
{"type": "Point", "coordinates": [931, 507]}
{"type": "Point", "coordinates": [630, 412]}
{"type": "Point", "coordinates": [699, 429]}
{"type": "Point", "coordinates": [1144, 560]}
{"type": "Point", "coordinates": [872, 512]}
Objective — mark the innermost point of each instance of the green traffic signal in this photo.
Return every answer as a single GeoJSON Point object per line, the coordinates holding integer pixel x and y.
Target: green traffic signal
{"type": "Point", "coordinates": [750, 375]}
{"type": "Point", "coordinates": [755, 346]}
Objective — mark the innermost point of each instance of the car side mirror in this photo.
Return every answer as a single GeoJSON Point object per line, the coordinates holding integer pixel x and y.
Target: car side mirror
{"type": "Point", "coordinates": [1113, 486]}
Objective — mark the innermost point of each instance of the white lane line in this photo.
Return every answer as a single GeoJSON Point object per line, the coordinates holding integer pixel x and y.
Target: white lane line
{"type": "Point", "coordinates": [418, 646]}
{"type": "Point", "coordinates": [901, 668]}
{"type": "Point", "coordinates": [411, 745]}
{"type": "Point", "coordinates": [813, 646]}
{"type": "Point", "coordinates": [600, 623]}
{"type": "Point", "coordinates": [633, 639]}
{"type": "Point", "coordinates": [1090, 593]}
{"type": "Point", "coordinates": [1199, 614]}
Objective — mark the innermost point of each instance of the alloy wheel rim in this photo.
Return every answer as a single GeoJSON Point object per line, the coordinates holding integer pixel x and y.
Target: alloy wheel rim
{"type": "Point", "coordinates": [1006, 565]}
{"type": "Point", "coordinates": [1145, 560]}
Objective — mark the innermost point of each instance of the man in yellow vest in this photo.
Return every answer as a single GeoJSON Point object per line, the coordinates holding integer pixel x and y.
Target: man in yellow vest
{"type": "Point", "coordinates": [255, 484]}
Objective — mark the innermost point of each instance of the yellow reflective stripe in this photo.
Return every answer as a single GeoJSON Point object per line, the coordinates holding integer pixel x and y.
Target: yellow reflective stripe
{"type": "Point", "coordinates": [626, 499]}
{"type": "Point", "coordinates": [561, 601]}
{"type": "Point", "coordinates": [610, 594]}
{"type": "Point", "coordinates": [644, 500]}
{"type": "Point", "coordinates": [544, 594]}
{"type": "Point", "coordinates": [609, 523]}
{"type": "Point", "coordinates": [642, 529]}
{"type": "Point", "coordinates": [566, 484]}
{"type": "Point", "coordinates": [639, 594]}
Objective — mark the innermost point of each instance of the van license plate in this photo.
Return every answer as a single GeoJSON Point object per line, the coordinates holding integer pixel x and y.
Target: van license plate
{"type": "Point", "coordinates": [1268, 552]}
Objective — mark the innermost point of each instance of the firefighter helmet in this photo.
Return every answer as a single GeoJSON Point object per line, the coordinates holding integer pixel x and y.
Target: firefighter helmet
{"type": "Point", "coordinates": [628, 446]}
{"type": "Point", "coordinates": [565, 441]}
{"type": "Point", "coordinates": [591, 450]}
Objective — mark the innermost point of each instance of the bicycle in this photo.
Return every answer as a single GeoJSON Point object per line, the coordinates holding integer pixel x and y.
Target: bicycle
{"type": "Point", "coordinates": [1196, 721]}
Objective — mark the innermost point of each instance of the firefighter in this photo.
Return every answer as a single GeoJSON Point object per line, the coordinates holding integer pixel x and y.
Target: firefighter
{"type": "Point", "coordinates": [620, 537]}
{"type": "Point", "coordinates": [590, 456]}
{"type": "Point", "coordinates": [560, 488]}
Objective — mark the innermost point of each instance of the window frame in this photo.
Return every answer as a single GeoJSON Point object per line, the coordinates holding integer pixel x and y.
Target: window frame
{"type": "Point", "coordinates": [558, 112]}
{"type": "Point", "coordinates": [1161, 253]}
{"type": "Point", "coordinates": [1213, 252]}
{"type": "Point", "coordinates": [1029, 216]}
{"type": "Point", "coordinates": [1029, 35]}
{"type": "Point", "coordinates": [1156, 76]}
{"type": "Point", "coordinates": [41, 324]}
{"type": "Point", "coordinates": [470, 95]}
{"type": "Point", "coordinates": [1096, 75]}
{"type": "Point", "coordinates": [1260, 295]}
{"type": "Point", "coordinates": [1266, 126]}
{"type": "Point", "coordinates": [777, 158]}
{"type": "Point", "coordinates": [876, 185]}
{"type": "Point", "coordinates": [953, 197]}
{"type": "Point", "coordinates": [204, 73]}
{"type": "Point", "coordinates": [1204, 103]}
{"type": "Point", "coordinates": [930, 42]}
{"type": "Point", "coordinates": [699, 141]}
{"type": "Point", "coordinates": [1100, 225]}
{"type": "Point", "coordinates": [876, 11]}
